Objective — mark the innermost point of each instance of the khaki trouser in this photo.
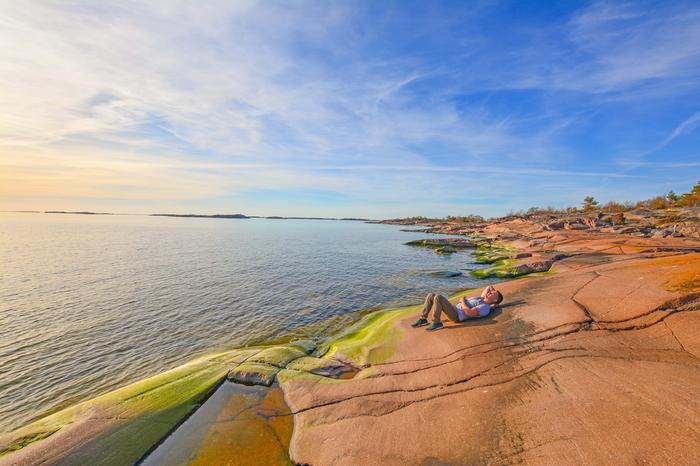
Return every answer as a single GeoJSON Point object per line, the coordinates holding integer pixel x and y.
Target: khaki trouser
{"type": "Point", "coordinates": [439, 304]}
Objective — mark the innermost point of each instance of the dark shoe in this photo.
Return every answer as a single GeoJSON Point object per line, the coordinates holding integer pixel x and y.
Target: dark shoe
{"type": "Point", "coordinates": [419, 323]}
{"type": "Point", "coordinates": [434, 326]}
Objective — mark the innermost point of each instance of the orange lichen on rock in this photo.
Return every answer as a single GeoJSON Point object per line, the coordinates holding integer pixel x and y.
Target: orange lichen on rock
{"type": "Point", "coordinates": [686, 281]}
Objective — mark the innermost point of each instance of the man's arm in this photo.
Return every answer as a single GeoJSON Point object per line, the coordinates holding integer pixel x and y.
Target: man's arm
{"type": "Point", "coordinates": [473, 312]}
{"type": "Point", "coordinates": [468, 310]}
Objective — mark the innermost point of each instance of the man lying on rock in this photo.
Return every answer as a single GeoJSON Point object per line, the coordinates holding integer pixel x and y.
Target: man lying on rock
{"type": "Point", "coordinates": [466, 308]}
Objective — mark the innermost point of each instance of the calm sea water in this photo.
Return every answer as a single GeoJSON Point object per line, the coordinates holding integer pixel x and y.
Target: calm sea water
{"type": "Point", "coordinates": [91, 303]}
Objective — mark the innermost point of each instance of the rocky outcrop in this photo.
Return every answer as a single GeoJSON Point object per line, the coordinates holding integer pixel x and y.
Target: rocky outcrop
{"type": "Point", "coordinates": [677, 222]}
{"type": "Point", "coordinates": [592, 365]}
{"type": "Point", "coordinates": [121, 426]}
{"type": "Point", "coordinates": [596, 362]}
{"type": "Point", "coordinates": [435, 243]}
{"type": "Point", "coordinates": [527, 267]}
{"type": "Point", "coordinates": [446, 274]}
{"type": "Point", "coordinates": [511, 265]}
{"type": "Point", "coordinates": [261, 368]}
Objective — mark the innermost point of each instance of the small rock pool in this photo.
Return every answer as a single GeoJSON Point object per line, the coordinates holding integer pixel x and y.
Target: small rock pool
{"type": "Point", "coordinates": [238, 424]}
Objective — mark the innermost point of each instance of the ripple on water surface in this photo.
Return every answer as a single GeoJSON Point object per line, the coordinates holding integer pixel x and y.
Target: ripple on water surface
{"type": "Point", "coordinates": [90, 303]}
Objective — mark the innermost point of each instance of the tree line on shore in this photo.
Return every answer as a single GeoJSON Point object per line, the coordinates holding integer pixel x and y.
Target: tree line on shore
{"type": "Point", "coordinates": [669, 200]}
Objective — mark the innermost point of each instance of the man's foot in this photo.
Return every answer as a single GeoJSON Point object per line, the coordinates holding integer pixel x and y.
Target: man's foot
{"type": "Point", "coordinates": [434, 326]}
{"type": "Point", "coordinates": [419, 323]}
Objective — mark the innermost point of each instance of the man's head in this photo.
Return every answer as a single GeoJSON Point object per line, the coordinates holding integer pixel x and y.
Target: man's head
{"type": "Point", "coordinates": [492, 296]}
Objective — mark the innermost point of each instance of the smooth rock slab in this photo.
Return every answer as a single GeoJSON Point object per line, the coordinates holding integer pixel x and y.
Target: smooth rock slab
{"type": "Point", "coordinates": [325, 367]}
{"type": "Point", "coordinates": [279, 356]}
{"type": "Point", "coordinates": [540, 382]}
{"type": "Point", "coordinates": [253, 373]}
{"type": "Point", "coordinates": [119, 427]}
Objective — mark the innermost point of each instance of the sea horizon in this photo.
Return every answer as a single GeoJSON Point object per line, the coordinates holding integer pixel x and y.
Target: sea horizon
{"type": "Point", "coordinates": [110, 305]}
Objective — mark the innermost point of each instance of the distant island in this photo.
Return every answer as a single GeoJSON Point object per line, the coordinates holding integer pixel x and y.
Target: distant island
{"type": "Point", "coordinates": [272, 217]}
{"type": "Point", "coordinates": [74, 212]}
{"type": "Point", "coordinates": [277, 217]}
{"type": "Point", "coordinates": [234, 216]}
{"type": "Point", "coordinates": [201, 216]}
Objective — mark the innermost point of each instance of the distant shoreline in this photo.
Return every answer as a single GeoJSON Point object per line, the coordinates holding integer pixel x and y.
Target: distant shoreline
{"type": "Point", "coordinates": [223, 216]}
{"type": "Point", "coordinates": [234, 216]}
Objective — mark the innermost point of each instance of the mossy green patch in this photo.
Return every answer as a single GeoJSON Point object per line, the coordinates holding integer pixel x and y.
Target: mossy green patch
{"type": "Point", "coordinates": [293, 375]}
{"type": "Point", "coordinates": [279, 356]}
{"type": "Point", "coordinates": [489, 257]}
{"type": "Point", "coordinates": [234, 357]}
{"type": "Point", "coordinates": [503, 268]}
{"type": "Point", "coordinates": [22, 442]}
{"type": "Point", "coordinates": [442, 244]}
{"type": "Point", "coordinates": [124, 424]}
{"type": "Point", "coordinates": [326, 367]}
{"type": "Point", "coordinates": [446, 274]}
{"type": "Point", "coordinates": [372, 340]}
{"type": "Point", "coordinates": [254, 373]}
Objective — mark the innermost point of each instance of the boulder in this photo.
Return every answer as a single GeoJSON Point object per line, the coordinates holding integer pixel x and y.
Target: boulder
{"type": "Point", "coordinates": [445, 249]}
{"type": "Point", "coordinates": [325, 367]}
{"type": "Point", "coordinates": [279, 356]}
{"type": "Point", "coordinates": [252, 373]}
{"type": "Point", "coordinates": [532, 267]}
{"type": "Point", "coordinates": [661, 233]}
{"type": "Point", "coordinates": [446, 274]}
{"type": "Point", "coordinates": [578, 225]}
{"type": "Point", "coordinates": [457, 243]}
{"type": "Point", "coordinates": [558, 225]}
{"type": "Point", "coordinates": [691, 231]}
{"type": "Point", "coordinates": [594, 223]}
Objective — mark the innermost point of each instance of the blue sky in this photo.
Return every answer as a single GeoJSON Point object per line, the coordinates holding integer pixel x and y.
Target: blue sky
{"type": "Point", "coordinates": [375, 109]}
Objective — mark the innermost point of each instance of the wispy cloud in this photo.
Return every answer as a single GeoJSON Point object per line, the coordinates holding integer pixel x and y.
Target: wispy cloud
{"type": "Point", "coordinates": [374, 102]}
{"type": "Point", "coordinates": [686, 126]}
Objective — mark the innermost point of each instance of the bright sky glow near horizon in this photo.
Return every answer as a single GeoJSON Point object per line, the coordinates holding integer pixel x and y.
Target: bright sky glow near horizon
{"type": "Point", "coordinates": [345, 108]}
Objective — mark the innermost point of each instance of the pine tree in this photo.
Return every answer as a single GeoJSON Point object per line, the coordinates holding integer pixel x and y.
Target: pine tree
{"type": "Point", "coordinates": [691, 198]}
{"type": "Point", "coordinates": [589, 203]}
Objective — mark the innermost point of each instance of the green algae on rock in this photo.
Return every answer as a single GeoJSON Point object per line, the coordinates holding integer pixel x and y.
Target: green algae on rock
{"type": "Point", "coordinates": [254, 373]}
{"type": "Point", "coordinates": [121, 426]}
{"type": "Point", "coordinates": [438, 243]}
{"type": "Point", "coordinates": [488, 252]}
{"type": "Point", "coordinates": [501, 269]}
{"type": "Point", "coordinates": [446, 274]}
{"type": "Point", "coordinates": [261, 368]}
{"type": "Point", "coordinates": [445, 249]}
{"type": "Point", "coordinates": [280, 356]}
{"type": "Point", "coordinates": [325, 367]}
{"type": "Point", "coordinates": [359, 344]}
{"type": "Point", "coordinates": [510, 267]}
